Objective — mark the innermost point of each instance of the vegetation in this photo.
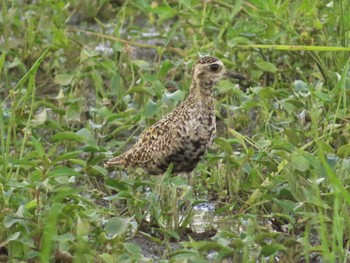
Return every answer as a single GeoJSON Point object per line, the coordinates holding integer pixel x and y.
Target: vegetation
{"type": "Point", "coordinates": [79, 81]}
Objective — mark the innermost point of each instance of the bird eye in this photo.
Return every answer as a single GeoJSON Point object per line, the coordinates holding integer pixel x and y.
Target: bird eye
{"type": "Point", "coordinates": [214, 67]}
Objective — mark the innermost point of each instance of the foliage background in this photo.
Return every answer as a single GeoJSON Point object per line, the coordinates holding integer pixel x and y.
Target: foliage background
{"type": "Point", "coordinates": [81, 79]}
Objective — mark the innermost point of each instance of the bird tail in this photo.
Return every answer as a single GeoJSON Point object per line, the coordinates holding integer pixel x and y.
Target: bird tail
{"type": "Point", "coordinates": [114, 161]}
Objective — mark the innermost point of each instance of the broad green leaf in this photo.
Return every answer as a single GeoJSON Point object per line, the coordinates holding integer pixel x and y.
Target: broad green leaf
{"type": "Point", "coordinates": [10, 221]}
{"type": "Point", "coordinates": [83, 226]}
{"type": "Point", "coordinates": [142, 64]}
{"type": "Point", "coordinates": [238, 41]}
{"type": "Point", "coordinates": [266, 66]}
{"type": "Point", "coordinates": [175, 96]}
{"type": "Point", "coordinates": [96, 170]}
{"type": "Point", "coordinates": [150, 109]}
{"type": "Point", "coordinates": [286, 205]}
{"type": "Point", "coordinates": [68, 155]}
{"type": "Point", "coordinates": [31, 204]}
{"type": "Point", "coordinates": [85, 133]}
{"type": "Point", "coordinates": [62, 170]}
{"type": "Point", "coordinates": [117, 184]}
{"type": "Point", "coordinates": [31, 163]}
{"type": "Point", "coordinates": [300, 163]}
{"type": "Point", "coordinates": [116, 85]}
{"type": "Point", "coordinates": [166, 66]}
{"type": "Point", "coordinates": [132, 248]}
{"type": "Point", "coordinates": [141, 89]}
{"type": "Point", "coordinates": [70, 136]}
{"type": "Point", "coordinates": [117, 226]}
{"type": "Point", "coordinates": [73, 112]}
{"type": "Point", "coordinates": [91, 148]}
{"type": "Point", "coordinates": [271, 249]}
{"type": "Point", "coordinates": [262, 237]}
{"type": "Point", "coordinates": [292, 137]}
{"type": "Point", "coordinates": [107, 258]}
{"type": "Point", "coordinates": [224, 145]}
{"type": "Point", "coordinates": [63, 79]}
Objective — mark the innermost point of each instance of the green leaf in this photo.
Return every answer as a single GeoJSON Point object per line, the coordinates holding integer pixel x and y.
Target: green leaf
{"type": "Point", "coordinates": [119, 185]}
{"type": "Point", "coordinates": [175, 96]}
{"type": "Point", "coordinates": [2, 60]}
{"type": "Point", "coordinates": [263, 236]}
{"type": "Point", "coordinates": [326, 147]}
{"type": "Point", "coordinates": [132, 248]}
{"type": "Point", "coordinates": [91, 148]}
{"type": "Point", "coordinates": [23, 162]}
{"type": "Point", "coordinates": [300, 163]}
{"type": "Point", "coordinates": [10, 221]}
{"type": "Point", "coordinates": [63, 192]}
{"type": "Point", "coordinates": [117, 226]}
{"type": "Point", "coordinates": [84, 54]}
{"type": "Point", "coordinates": [287, 205]}
{"type": "Point", "coordinates": [62, 170]}
{"type": "Point", "coordinates": [14, 236]}
{"type": "Point", "coordinates": [271, 249]}
{"type": "Point", "coordinates": [70, 136]}
{"type": "Point", "coordinates": [292, 136]}
{"type": "Point", "coordinates": [166, 66]}
{"type": "Point", "coordinates": [83, 226]}
{"type": "Point", "coordinates": [142, 64]}
{"type": "Point", "coordinates": [96, 170]}
{"type": "Point", "coordinates": [290, 242]}
{"type": "Point", "coordinates": [238, 41]}
{"type": "Point", "coordinates": [344, 151]}
{"type": "Point", "coordinates": [269, 164]}
{"type": "Point", "coordinates": [50, 231]}
{"type": "Point", "coordinates": [68, 155]}
{"type": "Point", "coordinates": [224, 145]}
{"type": "Point", "coordinates": [31, 204]}
{"type": "Point", "coordinates": [107, 258]}
{"type": "Point", "coordinates": [38, 147]}
{"type": "Point", "coordinates": [116, 85]}
{"type": "Point", "coordinates": [141, 89]}
{"type": "Point", "coordinates": [73, 112]}
{"type": "Point", "coordinates": [266, 66]}
{"type": "Point", "coordinates": [150, 109]}
{"type": "Point", "coordinates": [85, 133]}
{"type": "Point", "coordinates": [63, 79]}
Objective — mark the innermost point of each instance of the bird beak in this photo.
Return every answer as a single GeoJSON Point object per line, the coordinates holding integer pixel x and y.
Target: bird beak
{"type": "Point", "coordinates": [234, 75]}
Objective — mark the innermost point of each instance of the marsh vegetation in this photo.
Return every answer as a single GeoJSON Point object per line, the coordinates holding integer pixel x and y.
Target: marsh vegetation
{"type": "Point", "coordinates": [79, 81]}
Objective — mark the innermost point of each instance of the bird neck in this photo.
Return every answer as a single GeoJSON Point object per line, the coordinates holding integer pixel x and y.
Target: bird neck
{"type": "Point", "coordinates": [201, 96]}
{"type": "Point", "coordinates": [202, 89]}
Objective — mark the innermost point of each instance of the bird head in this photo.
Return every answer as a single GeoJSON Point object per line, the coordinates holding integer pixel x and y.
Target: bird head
{"type": "Point", "coordinates": [209, 70]}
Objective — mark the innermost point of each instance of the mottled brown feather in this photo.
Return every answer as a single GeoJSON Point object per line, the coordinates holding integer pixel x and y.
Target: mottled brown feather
{"type": "Point", "coordinates": [184, 135]}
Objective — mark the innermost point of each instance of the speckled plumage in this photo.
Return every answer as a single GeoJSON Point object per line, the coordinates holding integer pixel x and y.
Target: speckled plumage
{"type": "Point", "coordinates": [185, 134]}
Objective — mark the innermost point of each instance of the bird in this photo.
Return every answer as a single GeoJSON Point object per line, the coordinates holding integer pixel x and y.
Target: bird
{"type": "Point", "coordinates": [183, 136]}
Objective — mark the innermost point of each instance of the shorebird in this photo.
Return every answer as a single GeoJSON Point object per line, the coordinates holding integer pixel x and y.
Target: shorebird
{"type": "Point", "coordinates": [184, 135]}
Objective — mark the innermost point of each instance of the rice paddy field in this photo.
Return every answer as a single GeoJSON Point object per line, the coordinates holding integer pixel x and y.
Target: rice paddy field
{"type": "Point", "coordinates": [80, 80]}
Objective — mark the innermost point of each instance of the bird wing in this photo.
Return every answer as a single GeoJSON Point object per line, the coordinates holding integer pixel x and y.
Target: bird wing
{"type": "Point", "coordinates": [151, 144]}
{"type": "Point", "coordinates": [155, 141]}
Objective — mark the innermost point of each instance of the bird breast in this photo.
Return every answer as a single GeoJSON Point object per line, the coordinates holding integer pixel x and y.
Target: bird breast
{"type": "Point", "coordinates": [199, 128]}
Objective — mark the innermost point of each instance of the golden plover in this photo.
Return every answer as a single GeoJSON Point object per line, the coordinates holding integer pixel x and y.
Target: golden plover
{"type": "Point", "coordinates": [185, 134]}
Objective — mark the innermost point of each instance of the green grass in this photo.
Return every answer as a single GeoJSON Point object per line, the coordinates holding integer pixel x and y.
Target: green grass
{"type": "Point", "coordinates": [278, 172]}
